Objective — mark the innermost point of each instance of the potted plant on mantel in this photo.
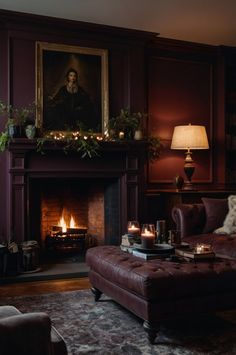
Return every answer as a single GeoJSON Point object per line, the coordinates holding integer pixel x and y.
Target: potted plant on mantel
{"type": "Point", "coordinates": [126, 125]}
{"type": "Point", "coordinates": [17, 119]}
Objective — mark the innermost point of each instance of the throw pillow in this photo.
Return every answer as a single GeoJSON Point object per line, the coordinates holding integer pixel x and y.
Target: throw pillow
{"type": "Point", "coordinates": [216, 210]}
{"type": "Point", "coordinates": [229, 224]}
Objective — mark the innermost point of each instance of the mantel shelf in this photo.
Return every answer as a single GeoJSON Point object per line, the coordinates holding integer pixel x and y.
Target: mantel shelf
{"type": "Point", "coordinates": [27, 145]}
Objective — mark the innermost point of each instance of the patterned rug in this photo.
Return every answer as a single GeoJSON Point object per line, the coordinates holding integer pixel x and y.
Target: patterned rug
{"type": "Point", "coordinates": [108, 329]}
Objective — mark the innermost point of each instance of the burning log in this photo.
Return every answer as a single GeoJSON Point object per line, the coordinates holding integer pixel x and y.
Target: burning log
{"type": "Point", "coordinates": [57, 231]}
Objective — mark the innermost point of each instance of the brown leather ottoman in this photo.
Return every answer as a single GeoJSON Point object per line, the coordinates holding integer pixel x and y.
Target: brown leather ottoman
{"type": "Point", "coordinates": [157, 289]}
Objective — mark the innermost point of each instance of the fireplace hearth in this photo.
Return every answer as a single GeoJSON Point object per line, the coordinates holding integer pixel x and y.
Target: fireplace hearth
{"type": "Point", "coordinates": [103, 192]}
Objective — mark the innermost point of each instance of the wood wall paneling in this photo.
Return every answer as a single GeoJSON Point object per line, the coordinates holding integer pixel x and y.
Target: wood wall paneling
{"type": "Point", "coordinates": [180, 92]}
{"type": "Point", "coordinates": [22, 71]}
{"type": "Point", "coordinates": [173, 80]}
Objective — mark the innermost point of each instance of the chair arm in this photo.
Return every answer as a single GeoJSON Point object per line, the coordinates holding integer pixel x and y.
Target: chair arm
{"type": "Point", "coordinates": [189, 218]}
{"type": "Point", "coordinates": [8, 311]}
{"type": "Point", "coordinates": [26, 334]}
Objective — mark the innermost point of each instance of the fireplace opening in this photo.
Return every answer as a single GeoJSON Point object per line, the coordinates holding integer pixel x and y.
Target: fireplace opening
{"type": "Point", "coordinates": [73, 213]}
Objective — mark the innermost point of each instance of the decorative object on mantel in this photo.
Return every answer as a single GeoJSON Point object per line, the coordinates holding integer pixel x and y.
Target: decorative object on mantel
{"type": "Point", "coordinates": [128, 122]}
{"type": "Point", "coordinates": [30, 131]}
{"type": "Point", "coordinates": [17, 119]}
{"type": "Point", "coordinates": [86, 143]}
{"type": "Point", "coordinates": [188, 137]}
{"type": "Point", "coordinates": [132, 124]}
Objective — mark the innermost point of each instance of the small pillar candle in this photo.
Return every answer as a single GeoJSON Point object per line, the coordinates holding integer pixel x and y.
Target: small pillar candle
{"type": "Point", "coordinates": [133, 228]}
{"type": "Point", "coordinates": [148, 236]}
{"type": "Point", "coordinates": [121, 135]}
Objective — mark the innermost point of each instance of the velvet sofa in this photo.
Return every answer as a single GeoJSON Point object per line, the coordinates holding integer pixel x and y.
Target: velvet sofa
{"type": "Point", "coordinates": [197, 223]}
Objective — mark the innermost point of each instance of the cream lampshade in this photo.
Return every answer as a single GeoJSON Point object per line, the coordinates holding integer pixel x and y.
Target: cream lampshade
{"type": "Point", "coordinates": [189, 137]}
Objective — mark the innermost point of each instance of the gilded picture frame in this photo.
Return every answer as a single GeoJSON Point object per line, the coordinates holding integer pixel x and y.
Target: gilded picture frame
{"type": "Point", "coordinates": [71, 88]}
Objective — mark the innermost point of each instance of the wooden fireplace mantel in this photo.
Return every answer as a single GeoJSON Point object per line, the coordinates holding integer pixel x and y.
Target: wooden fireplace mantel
{"type": "Point", "coordinates": [125, 161]}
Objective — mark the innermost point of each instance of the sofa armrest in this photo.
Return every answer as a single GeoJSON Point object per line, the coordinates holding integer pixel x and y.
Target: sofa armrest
{"type": "Point", "coordinates": [26, 334]}
{"type": "Point", "coordinates": [189, 218]}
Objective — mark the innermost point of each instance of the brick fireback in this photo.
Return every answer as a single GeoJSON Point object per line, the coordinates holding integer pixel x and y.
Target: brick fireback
{"type": "Point", "coordinates": [85, 202]}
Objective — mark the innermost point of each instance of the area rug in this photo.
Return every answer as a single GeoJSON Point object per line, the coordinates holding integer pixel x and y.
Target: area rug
{"type": "Point", "coordinates": [106, 328]}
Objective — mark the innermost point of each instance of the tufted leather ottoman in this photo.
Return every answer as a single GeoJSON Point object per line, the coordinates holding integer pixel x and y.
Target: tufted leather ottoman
{"type": "Point", "coordinates": [157, 289]}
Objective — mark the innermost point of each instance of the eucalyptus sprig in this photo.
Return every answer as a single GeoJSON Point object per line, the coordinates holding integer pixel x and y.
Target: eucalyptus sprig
{"type": "Point", "coordinates": [39, 144]}
{"type": "Point", "coordinates": [154, 148]}
{"type": "Point", "coordinates": [86, 145]}
{"type": "Point", "coordinates": [4, 140]}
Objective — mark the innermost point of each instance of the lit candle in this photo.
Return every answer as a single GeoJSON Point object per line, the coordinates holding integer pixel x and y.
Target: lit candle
{"type": "Point", "coordinates": [147, 233]}
{"type": "Point", "coordinates": [147, 238]}
{"type": "Point", "coordinates": [133, 230]}
{"type": "Point", "coordinates": [121, 135]}
{"type": "Point", "coordinates": [199, 248]}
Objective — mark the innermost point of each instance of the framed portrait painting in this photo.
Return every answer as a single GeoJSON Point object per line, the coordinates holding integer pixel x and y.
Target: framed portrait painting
{"type": "Point", "coordinates": [71, 88]}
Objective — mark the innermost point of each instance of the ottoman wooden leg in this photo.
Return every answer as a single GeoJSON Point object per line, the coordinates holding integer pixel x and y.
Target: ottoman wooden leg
{"type": "Point", "coordinates": [151, 330]}
{"type": "Point", "coordinates": [97, 293]}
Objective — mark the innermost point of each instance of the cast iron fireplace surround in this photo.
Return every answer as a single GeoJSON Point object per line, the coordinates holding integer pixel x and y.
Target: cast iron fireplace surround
{"type": "Point", "coordinates": [121, 163]}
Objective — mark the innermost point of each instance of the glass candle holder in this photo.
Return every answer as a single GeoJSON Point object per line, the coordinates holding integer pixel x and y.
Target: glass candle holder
{"type": "Point", "coordinates": [175, 237]}
{"type": "Point", "coordinates": [161, 231]}
{"type": "Point", "coordinates": [202, 248]}
{"type": "Point", "coordinates": [148, 236]}
{"type": "Point", "coordinates": [133, 228]}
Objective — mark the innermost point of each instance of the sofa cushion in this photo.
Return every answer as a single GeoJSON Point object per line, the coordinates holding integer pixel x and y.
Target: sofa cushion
{"type": "Point", "coordinates": [229, 224]}
{"type": "Point", "coordinates": [216, 211]}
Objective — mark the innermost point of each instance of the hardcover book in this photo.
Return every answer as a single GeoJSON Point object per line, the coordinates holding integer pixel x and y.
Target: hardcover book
{"type": "Point", "coordinates": [193, 255]}
{"type": "Point", "coordinates": [148, 256]}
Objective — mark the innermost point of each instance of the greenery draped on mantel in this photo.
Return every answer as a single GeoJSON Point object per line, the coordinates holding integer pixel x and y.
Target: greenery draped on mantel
{"type": "Point", "coordinates": [85, 143]}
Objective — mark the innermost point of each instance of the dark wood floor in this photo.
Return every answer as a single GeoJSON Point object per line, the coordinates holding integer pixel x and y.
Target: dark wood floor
{"type": "Point", "coordinates": [40, 287]}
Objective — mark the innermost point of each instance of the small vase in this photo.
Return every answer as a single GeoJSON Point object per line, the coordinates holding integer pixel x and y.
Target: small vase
{"type": "Point", "coordinates": [14, 131]}
{"type": "Point", "coordinates": [179, 182]}
{"type": "Point", "coordinates": [30, 131]}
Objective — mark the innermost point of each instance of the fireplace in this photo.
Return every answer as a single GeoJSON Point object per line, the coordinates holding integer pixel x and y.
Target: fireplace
{"type": "Point", "coordinates": [71, 209]}
{"type": "Point", "coordinates": [102, 193]}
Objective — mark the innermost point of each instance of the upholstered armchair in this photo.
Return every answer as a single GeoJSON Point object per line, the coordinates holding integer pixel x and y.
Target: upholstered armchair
{"type": "Point", "coordinates": [28, 334]}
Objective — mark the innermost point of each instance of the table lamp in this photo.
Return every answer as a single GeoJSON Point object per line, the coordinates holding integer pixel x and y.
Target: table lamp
{"type": "Point", "coordinates": [189, 137]}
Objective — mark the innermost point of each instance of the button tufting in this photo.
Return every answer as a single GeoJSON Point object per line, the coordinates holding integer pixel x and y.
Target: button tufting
{"type": "Point", "coordinates": [151, 280]}
{"type": "Point", "coordinates": [136, 264]}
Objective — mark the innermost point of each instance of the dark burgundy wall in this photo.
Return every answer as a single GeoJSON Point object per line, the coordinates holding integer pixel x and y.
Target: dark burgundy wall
{"type": "Point", "coordinates": [176, 82]}
{"type": "Point", "coordinates": [181, 90]}
{"type": "Point", "coordinates": [19, 34]}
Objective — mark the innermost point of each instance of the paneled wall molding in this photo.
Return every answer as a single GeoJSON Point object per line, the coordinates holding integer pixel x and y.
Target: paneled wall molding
{"type": "Point", "coordinates": [11, 20]}
{"type": "Point", "coordinates": [181, 91]}
{"type": "Point", "coordinates": [174, 81]}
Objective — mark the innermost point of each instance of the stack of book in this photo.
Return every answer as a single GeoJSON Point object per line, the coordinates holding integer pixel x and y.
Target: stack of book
{"type": "Point", "coordinates": [145, 255]}
{"type": "Point", "coordinates": [158, 251]}
{"type": "Point", "coordinates": [192, 254]}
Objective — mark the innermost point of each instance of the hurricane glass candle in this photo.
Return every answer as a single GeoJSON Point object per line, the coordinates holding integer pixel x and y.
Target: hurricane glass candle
{"type": "Point", "coordinates": [133, 228]}
{"type": "Point", "coordinates": [148, 236]}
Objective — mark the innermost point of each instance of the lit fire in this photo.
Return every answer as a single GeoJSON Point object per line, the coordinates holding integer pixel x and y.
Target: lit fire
{"type": "Point", "coordinates": [64, 226]}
